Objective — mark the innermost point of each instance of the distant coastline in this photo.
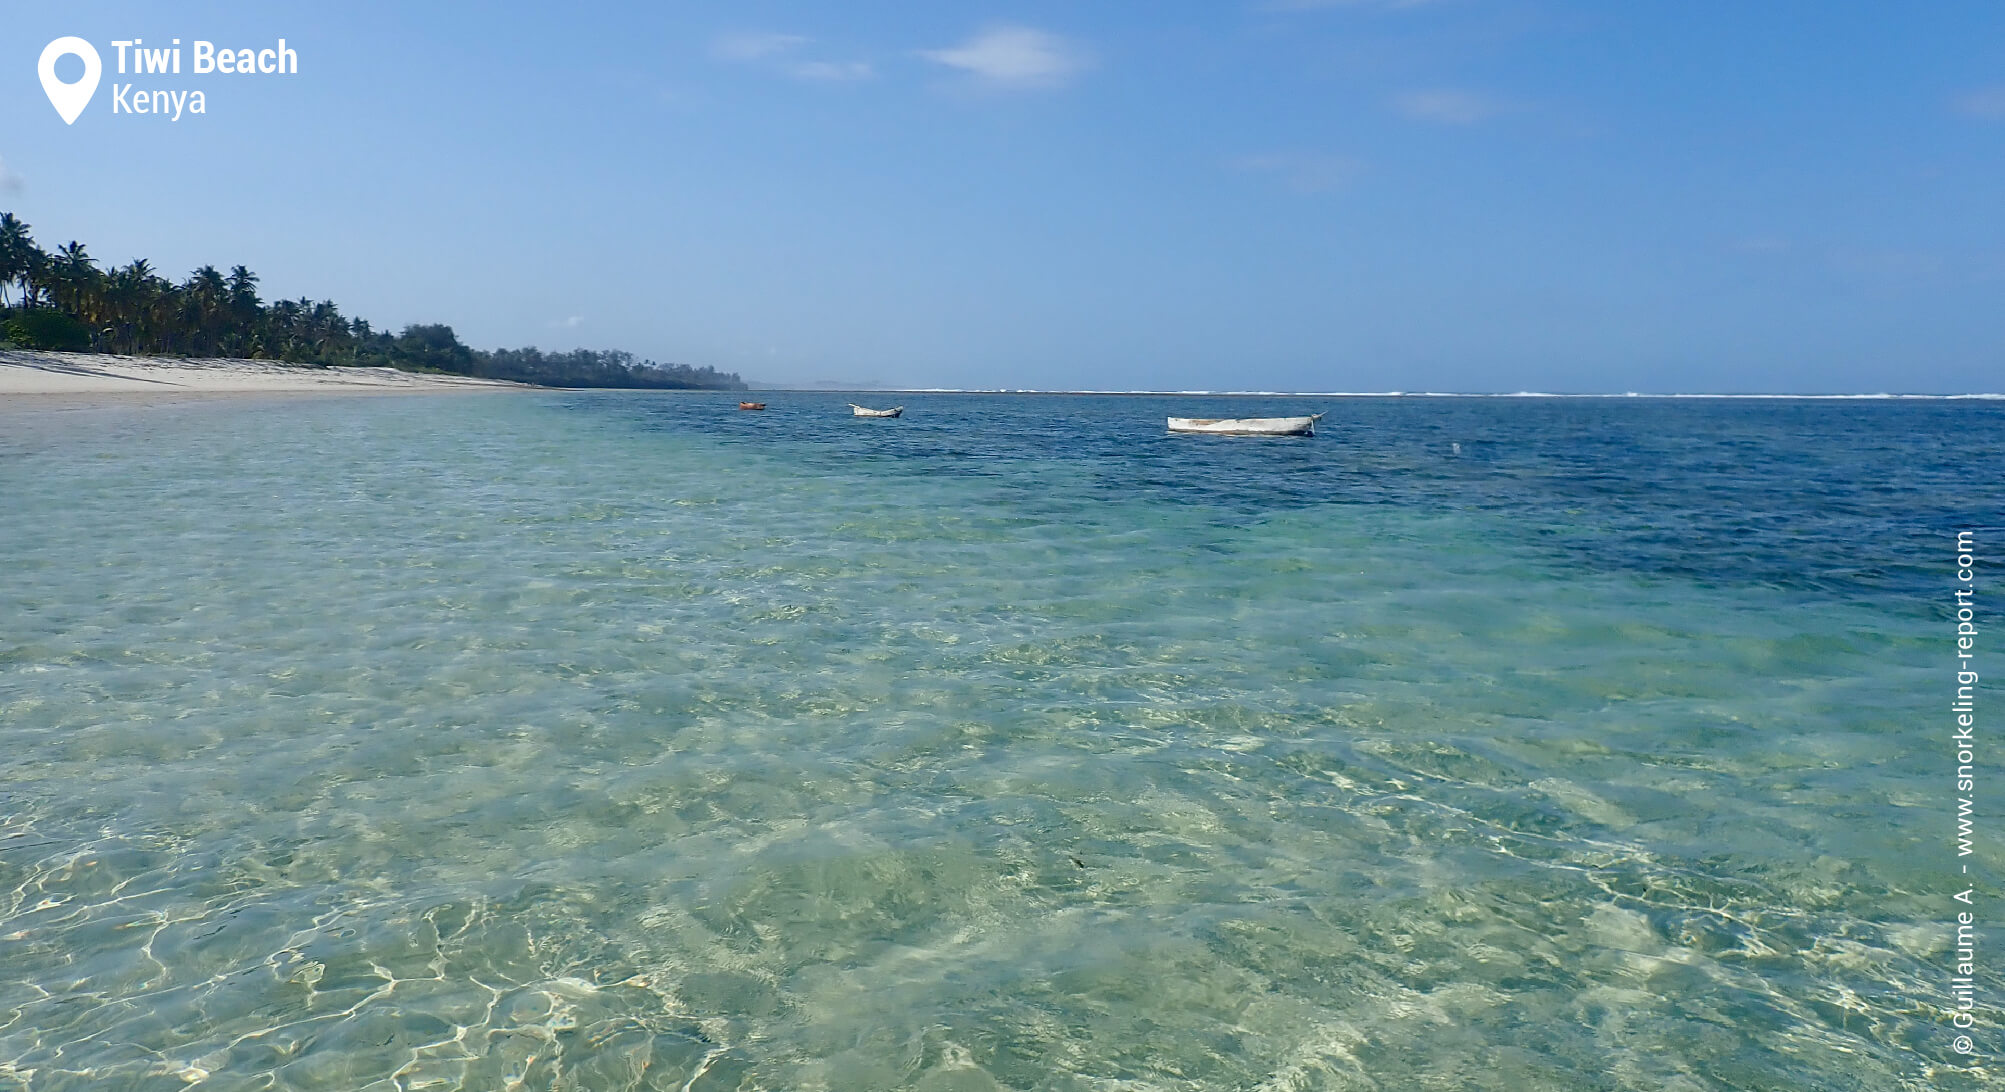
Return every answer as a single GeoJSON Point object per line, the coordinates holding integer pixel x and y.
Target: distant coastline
{"type": "Point", "coordinates": [64, 303]}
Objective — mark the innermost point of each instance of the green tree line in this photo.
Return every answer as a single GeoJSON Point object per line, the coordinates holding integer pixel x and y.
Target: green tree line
{"type": "Point", "coordinates": [63, 301]}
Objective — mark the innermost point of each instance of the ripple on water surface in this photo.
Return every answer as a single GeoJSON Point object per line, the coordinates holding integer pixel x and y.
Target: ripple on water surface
{"type": "Point", "coordinates": [615, 741]}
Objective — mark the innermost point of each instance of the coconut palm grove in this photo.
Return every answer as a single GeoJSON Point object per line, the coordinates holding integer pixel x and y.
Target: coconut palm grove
{"type": "Point", "coordinates": [62, 301]}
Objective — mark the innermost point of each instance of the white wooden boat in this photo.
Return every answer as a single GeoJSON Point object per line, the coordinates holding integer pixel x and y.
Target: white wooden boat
{"type": "Point", "coordinates": [1247, 426]}
{"type": "Point", "coordinates": [862, 412]}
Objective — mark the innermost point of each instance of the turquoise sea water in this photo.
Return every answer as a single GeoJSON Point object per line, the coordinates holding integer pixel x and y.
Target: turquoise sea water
{"type": "Point", "coordinates": [607, 741]}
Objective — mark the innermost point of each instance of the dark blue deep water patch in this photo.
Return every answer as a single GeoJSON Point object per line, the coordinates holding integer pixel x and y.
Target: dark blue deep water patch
{"type": "Point", "coordinates": [1842, 496]}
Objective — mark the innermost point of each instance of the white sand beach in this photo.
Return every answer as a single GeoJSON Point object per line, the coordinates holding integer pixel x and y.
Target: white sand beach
{"type": "Point", "coordinates": [38, 373]}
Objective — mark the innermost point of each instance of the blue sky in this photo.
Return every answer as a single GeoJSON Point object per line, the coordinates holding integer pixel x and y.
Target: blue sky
{"type": "Point", "coordinates": [1468, 195]}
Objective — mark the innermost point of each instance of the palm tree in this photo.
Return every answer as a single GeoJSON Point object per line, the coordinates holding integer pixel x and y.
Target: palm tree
{"type": "Point", "coordinates": [203, 301]}
{"type": "Point", "coordinates": [35, 282]}
{"type": "Point", "coordinates": [15, 246]}
{"type": "Point", "coordinates": [243, 291]}
{"type": "Point", "coordinates": [76, 282]}
{"type": "Point", "coordinates": [245, 333]}
{"type": "Point", "coordinates": [21, 261]}
{"type": "Point", "coordinates": [162, 309]}
{"type": "Point", "coordinates": [129, 293]}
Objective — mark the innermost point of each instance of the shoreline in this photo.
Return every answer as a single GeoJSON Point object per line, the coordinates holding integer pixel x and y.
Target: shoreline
{"type": "Point", "coordinates": [33, 374]}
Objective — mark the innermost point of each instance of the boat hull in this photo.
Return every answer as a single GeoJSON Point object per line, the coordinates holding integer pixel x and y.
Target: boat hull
{"type": "Point", "coordinates": [859, 411]}
{"type": "Point", "coordinates": [1247, 426]}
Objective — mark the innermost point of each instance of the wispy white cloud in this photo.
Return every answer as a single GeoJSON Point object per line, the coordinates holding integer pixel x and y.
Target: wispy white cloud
{"type": "Point", "coordinates": [1986, 103]}
{"type": "Point", "coordinates": [1303, 172]}
{"type": "Point", "coordinates": [754, 45]}
{"type": "Point", "coordinates": [570, 322]}
{"type": "Point", "coordinates": [1447, 106]}
{"type": "Point", "coordinates": [781, 53]}
{"type": "Point", "coordinates": [1318, 5]}
{"type": "Point", "coordinates": [1015, 57]}
{"type": "Point", "coordinates": [831, 71]}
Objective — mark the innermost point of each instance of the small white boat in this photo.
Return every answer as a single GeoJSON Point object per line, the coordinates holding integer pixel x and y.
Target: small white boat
{"type": "Point", "coordinates": [862, 412]}
{"type": "Point", "coordinates": [1247, 426]}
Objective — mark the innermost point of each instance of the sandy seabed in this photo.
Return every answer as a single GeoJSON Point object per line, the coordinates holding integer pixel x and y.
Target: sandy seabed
{"type": "Point", "coordinates": [37, 373]}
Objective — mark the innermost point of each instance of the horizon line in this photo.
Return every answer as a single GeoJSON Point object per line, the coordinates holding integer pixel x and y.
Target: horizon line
{"type": "Point", "coordinates": [1861, 396]}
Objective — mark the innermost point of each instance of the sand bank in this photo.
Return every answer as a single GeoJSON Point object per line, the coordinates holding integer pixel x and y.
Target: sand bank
{"type": "Point", "coordinates": [33, 373]}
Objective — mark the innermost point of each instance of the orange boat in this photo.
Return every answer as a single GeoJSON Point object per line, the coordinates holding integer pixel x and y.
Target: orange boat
{"type": "Point", "coordinates": [751, 405]}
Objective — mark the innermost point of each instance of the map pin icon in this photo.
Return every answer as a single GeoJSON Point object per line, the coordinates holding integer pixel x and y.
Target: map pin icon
{"type": "Point", "coordinates": [70, 98]}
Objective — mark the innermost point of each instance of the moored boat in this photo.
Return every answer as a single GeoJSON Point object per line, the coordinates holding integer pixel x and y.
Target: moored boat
{"type": "Point", "coordinates": [751, 405]}
{"type": "Point", "coordinates": [861, 411]}
{"type": "Point", "coordinates": [1247, 426]}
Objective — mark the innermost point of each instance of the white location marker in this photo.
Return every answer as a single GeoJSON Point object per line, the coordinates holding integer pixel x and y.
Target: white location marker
{"type": "Point", "coordinates": [70, 98]}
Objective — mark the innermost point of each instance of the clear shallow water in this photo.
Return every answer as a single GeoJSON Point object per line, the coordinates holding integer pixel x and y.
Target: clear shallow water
{"type": "Point", "coordinates": [601, 741]}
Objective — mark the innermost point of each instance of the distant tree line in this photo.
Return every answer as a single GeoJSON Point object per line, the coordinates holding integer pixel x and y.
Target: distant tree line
{"type": "Point", "coordinates": [63, 301]}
